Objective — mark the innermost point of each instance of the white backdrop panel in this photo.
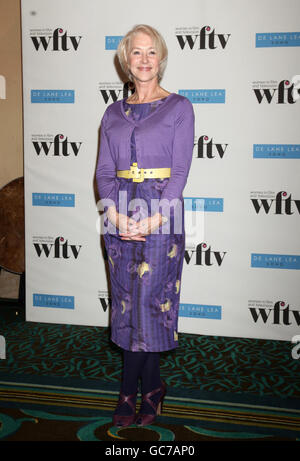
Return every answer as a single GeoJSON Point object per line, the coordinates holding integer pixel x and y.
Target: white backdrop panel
{"type": "Point", "coordinates": [64, 49]}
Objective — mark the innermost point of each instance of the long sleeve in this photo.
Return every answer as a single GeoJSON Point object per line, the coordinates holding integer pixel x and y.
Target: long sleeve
{"type": "Point", "coordinates": [182, 152]}
{"type": "Point", "coordinates": [106, 168]}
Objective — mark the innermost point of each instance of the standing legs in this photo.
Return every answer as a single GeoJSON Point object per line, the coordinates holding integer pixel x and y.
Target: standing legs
{"type": "Point", "coordinates": [132, 367]}
{"type": "Point", "coordinates": [150, 379]}
{"type": "Point", "coordinates": [144, 365]}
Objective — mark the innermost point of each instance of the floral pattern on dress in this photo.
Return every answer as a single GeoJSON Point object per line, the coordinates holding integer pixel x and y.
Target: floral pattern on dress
{"type": "Point", "coordinates": [145, 277]}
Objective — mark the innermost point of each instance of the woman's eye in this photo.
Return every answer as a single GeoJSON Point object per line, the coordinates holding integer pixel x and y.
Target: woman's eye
{"type": "Point", "coordinates": [138, 52]}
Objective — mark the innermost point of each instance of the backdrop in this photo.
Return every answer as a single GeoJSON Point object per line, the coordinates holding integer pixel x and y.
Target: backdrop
{"type": "Point", "coordinates": [238, 63]}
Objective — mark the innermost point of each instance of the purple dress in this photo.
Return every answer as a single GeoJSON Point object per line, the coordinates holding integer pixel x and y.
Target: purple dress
{"type": "Point", "coordinates": [145, 276]}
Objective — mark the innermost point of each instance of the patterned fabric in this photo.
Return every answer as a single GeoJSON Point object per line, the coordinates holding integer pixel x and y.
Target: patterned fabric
{"type": "Point", "coordinates": [145, 276]}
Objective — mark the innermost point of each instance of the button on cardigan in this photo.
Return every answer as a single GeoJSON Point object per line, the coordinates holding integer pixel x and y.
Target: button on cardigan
{"type": "Point", "coordinates": [164, 139]}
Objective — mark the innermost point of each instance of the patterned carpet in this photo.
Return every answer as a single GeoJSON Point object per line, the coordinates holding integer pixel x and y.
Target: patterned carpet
{"type": "Point", "coordinates": [61, 382]}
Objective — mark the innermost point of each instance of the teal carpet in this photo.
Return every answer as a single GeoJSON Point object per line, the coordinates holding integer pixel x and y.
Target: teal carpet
{"type": "Point", "coordinates": [61, 382]}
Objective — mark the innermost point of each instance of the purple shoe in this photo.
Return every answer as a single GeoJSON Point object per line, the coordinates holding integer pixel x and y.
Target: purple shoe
{"type": "Point", "coordinates": [144, 419]}
{"type": "Point", "coordinates": [125, 420]}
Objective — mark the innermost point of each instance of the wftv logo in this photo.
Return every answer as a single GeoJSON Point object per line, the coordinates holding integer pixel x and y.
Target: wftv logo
{"type": "Point", "coordinates": [57, 146]}
{"type": "Point", "coordinates": [55, 41]}
{"type": "Point", "coordinates": [105, 300]}
{"type": "Point", "coordinates": [278, 313]}
{"type": "Point", "coordinates": [56, 248]}
{"type": "Point", "coordinates": [206, 148]}
{"type": "Point", "coordinates": [200, 39]}
{"type": "Point", "coordinates": [282, 204]}
{"type": "Point", "coordinates": [204, 255]}
{"type": "Point", "coordinates": [114, 91]}
{"type": "Point", "coordinates": [274, 92]}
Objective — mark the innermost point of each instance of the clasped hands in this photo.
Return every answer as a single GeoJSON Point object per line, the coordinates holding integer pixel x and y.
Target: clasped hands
{"type": "Point", "coordinates": [129, 229]}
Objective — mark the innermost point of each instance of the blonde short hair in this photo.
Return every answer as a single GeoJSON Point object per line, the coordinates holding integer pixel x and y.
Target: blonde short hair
{"type": "Point", "coordinates": [159, 43]}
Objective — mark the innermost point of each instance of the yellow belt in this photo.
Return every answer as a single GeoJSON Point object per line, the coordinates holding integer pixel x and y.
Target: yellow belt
{"type": "Point", "coordinates": [138, 174]}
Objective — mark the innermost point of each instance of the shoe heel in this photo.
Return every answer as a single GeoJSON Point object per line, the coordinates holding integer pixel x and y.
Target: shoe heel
{"type": "Point", "coordinates": [160, 405]}
{"type": "Point", "coordinates": [159, 408]}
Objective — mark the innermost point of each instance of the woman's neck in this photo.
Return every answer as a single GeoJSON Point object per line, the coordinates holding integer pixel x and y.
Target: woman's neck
{"type": "Point", "coordinates": [147, 93]}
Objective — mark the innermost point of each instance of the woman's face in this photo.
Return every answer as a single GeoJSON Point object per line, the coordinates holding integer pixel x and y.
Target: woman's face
{"type": "Point", "coordinates": [143, 58]}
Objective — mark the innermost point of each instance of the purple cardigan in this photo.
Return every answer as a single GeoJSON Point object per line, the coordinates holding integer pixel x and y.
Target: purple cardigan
{"type": "Point", "coordinates": [165, 138]}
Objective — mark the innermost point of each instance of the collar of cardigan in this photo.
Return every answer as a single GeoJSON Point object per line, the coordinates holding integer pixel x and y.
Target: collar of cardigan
{"type": "Point", "coordinates": [137, 122]}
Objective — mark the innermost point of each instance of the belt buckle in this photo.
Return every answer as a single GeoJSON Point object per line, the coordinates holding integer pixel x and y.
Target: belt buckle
{"type": "Point", "coordinates": [137, 171]}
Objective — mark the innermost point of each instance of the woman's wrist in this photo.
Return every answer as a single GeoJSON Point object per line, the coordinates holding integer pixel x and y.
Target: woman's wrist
{"type": "Point", "coordinates": [161, 219]}
{"type": "Point", "coordinates": [112, 214]}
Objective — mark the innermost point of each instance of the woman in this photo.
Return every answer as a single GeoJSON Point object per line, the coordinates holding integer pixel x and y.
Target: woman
{"type": "Point", "coordinates": [145, 155]}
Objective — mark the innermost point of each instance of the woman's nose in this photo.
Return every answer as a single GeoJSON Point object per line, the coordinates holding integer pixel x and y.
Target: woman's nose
{"type": "Point", "coordinates": [144, 57]}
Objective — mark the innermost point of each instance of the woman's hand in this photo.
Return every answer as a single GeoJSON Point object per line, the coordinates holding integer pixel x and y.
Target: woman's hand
{"type": "Point", "coordinates": [142, 228]}
{"type": "Point", "coordinates": [149, 225]}
{"type": "Point", "coordinates": [119, 220]}
{"type": "Point", "coordinates": [128, 227]}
